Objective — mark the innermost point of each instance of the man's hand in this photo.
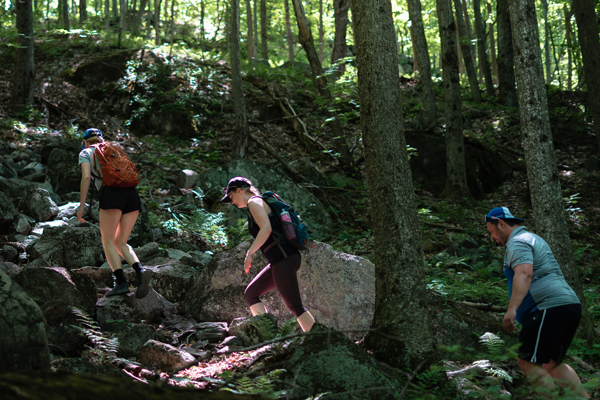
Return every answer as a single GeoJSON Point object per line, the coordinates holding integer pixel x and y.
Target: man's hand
{"type": "Point", "coordinates": [247, 263]}
{"type": "Point", "coordinates": [80, 213]}
{"type": "Point", "coordinates": [509, 321]}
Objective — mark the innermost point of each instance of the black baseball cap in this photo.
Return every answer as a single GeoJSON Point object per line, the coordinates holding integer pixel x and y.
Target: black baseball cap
{"type": "Point", "coordinates": [238, 182]}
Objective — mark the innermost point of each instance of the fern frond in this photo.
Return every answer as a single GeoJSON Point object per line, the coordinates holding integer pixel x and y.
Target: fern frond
{"type": "Point", "coordinates": [288, 327]}
{"type": "Point", "coordinates": [495, 345]}
{"type": "Point", "coordinates": [106, 347]}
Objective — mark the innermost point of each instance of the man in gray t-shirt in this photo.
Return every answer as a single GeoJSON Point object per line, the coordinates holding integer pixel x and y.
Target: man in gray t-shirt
{"type": "Point", "coordinates": [540, 300]}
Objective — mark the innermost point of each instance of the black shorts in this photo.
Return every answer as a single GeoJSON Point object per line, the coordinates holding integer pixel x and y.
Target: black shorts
{"type": "Point", "coordinates": [125, 199]}
{"type": "Point", "coordinates": [547, 334]}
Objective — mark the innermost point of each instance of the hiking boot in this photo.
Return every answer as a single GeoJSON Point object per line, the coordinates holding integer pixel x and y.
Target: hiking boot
{"type": "Point", "coordinates": [143, 283]}
{"type": "Point", "coordinates": [120, 288]}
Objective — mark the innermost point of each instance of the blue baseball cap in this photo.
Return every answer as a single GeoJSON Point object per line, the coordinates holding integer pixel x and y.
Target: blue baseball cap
{"type": "Point", "coordinates": [92, 132]}
{"type": "Point", "coordinates": [501, 213]}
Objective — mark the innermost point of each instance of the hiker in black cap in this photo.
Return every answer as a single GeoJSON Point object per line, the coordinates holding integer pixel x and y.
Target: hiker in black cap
{"type": "Point", "coordinates": [541, 301]}
{"type": "Point", "coordinates": [119, 210]}
{"type": "Point", "coordinates": [281, 271]}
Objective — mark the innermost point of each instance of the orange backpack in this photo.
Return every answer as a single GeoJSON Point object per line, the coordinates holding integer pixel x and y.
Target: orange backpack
{"type": "Point", "coordinates": [117, 169]}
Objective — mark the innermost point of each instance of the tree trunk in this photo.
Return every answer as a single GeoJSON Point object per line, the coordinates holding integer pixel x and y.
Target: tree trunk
{"type": "Point", "coordinates": [64, 14]}
{"type": "Point", "coordinates": [568, 34]}
{"type": "Point", "coordinates": [255, 20]}
{"type": "Point", "coordinates": [587, 28]}
{"type": "Point", "coordinates": [467, 22]}
{"type": "Point", "coordinates": [306, 39]}
{"type": "Point", "coordinates": [123, 19]}
{"type": "Point", "coordinates": [507, 91]}
{"type": "Point", "coordinates": [321, 32]}
{"type": "Point", "coordinates": [172, 26]}
{"type": "Point", "coordinates": [288, 30]}
{"type": "Point", "coordinates": [542, 172]}
{"type": "Point", "coordinates": [264, 37]}
{"type": "Point", "coordinates": [456, 172]}
{"type": "Point", "coordinates": [107, 15]}
{"type": "Point", "coordinates": [24, 74]}
{"type": "Point", "coordinates": [465, 46]}
{"type": "Point", "coordinates": [484, 64]}
{"type": "Point", "coordinates": [202, 29]}
{"type": "Point", "coordinates": [403, 334]}
{"type": "Point", "coordinates": [340, 48]}
{"type": "Point", "coordinates": [429, 113]}
{"type": "Point", "coordinates": [250, 29]}
{"type": "Point", "coordinates": [115, 9]}
{"type": "Point", "coordinates": [239, 102]}
{"type": "Point", "coordinates": [157, 22]}
{"type": "Point", "coordinates": [82, 11]}
{"type": "Point", "coordinates": [492, 47]}
{"type": "Point", "coordinates": [547, 42]}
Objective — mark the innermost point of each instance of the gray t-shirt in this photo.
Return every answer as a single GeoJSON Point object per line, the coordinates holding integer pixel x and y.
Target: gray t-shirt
{"type": "Point", "coordinates": [87, 156]}
{"type": "Point", "coordinates": [548, 286]}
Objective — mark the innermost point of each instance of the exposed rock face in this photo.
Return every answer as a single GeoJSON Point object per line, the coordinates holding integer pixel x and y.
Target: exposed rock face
{"type": "Point", "coordinates": [8, 212]}
{"type": "Point", "coordinates": [81, 366]}
{"type": "Point", "coordinates": [69, 247]}
{"type": "Point", "coordinates": [50, 283]}
{"type": "Point", "coordinates": [24, 345]}
{"type": "Point", "coordinates": [33, 199]}
{"type": "Point", "coordinates": [164, 356]}
{"type": "Point", "coordinates": [10, 269]}
{"type": "Point", "coordinates": [101, 70]}
{"type": "Point", "coordinates": [187, 179]}
{"type": "Point", "coordinates": [312, 211]}
{"type": "Point", "coordinates": [171, 278]}
{"type": "Point", "coordinates": [64, 171]}
{"type": "Point", "coordinates": [132, 338]}
{"type": "Point", "coordinates": [6, 170]}
{"type": "Point", "coordinates": [63, 338]}
{"type": "Point", "coordinates": [129, 308]}
{"type": "Point", "coordinates": [337, 288]}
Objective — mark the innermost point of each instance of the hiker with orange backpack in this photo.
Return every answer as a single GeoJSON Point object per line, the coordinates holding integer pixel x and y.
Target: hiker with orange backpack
{"type": "Point", "coordinates": [115, 177]}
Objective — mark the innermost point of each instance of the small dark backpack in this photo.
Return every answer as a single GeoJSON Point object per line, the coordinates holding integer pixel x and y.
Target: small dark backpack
{"type": "Point", "coordinates": [291, 228]}
{"type": "Point", "coordinates": [117, 169]}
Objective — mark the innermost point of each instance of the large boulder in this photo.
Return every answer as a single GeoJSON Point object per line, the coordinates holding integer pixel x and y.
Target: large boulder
{"type": "Point", "coordinates": [64, 338]}
{"type": "Point", "coordinates": [46, 284]}
{"type": "Point", "coordinates": [313, 212]}
{"type": "Point", "coordinates": [8, 212]}
{"type": "Point", "coordinates": [142, 231]}
{"type": "Point", "coordinates": [32, 198]}
{"type": "Point", "coordinates": [99, 70]}
{"type": "Point", "coordinates": [69, 246]}
{"type": "Point", "coordinates": [6, 169]}
{"type": "Point", "coordinates": [10, 269]}
{"type": "Point", "coordinates": [337, 288]}
{"type": "Point", "coordinates": [24, 345]}
{"type": "Point", "coordinates": [164, 356]}
{"type": "Point", "coordinates": [128, 308]}
{"type": "Point", "coordinates": [132, 338]}
{"type": "Point", "coordinates": [63, 171]}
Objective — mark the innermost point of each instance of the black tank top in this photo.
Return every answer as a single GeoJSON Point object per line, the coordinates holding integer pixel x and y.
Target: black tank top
{"type": "Point", "coordinates": [274, 254]}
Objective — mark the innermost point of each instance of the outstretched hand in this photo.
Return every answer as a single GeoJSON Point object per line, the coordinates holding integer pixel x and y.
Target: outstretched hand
{"type": "Point", "coordinates": [247, 263]}
{"type": "Point", "coordinates": [80, 211]}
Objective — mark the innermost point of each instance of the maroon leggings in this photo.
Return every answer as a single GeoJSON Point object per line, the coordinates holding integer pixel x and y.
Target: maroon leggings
{"type": "Point", "coordinates": [281, 275]}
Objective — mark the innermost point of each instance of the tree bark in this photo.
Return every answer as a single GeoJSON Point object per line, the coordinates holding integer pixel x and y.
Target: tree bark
{"type": "Point", "coordinates": [321, 32]}
{"type": "Point", "coordinates": [429, 112]}
{"type": "Point", "coordinates": [547, 43]}
{"type": "Point", "coordinates": [288, 30]}
{"type": "Point", "coordinates": [467, 22]}
{"type": "Point", "coordinates": [569, 35]}
{"type": "Point", "coordinates": [403, 334]}
{"type": "Point", "coordinates": [484, 64]}
{"type": "Point", "coordinates": [264, 37]}
{"type": "Point", "coordinates": [465, 46]}
{"type": "Point", "coordinates": [340, 48]}
{"type": "Point", "coordinates": [115, 9]}
{"type": "Point", "coordinates": [587, 28]}
{"type": "Point", "coordinates": [239, 102]}
{"type": "Point", "coordinates": [507, 91]}
{"type": "Point", "coordinates": [250, 31]}
{"type": "Point", "coordinates": [107, 15]}
{"type": "Point", "coordinates": [65, 14]}
{"type": "Point", "coordinates": [202, 29]}
{"type": "Point", "coordinates": [456, 172]}
{"type": "Point", "coordinates": [123, 17]}
{"type": "Point", "coordinates": [24, 74]}
{"type": "Point", "coordinates": [157, 22]}
{"type": "Point", "coordinates": [255, 20]}
{"type": "Point", "coordinates": [82, 11]}
{"type": "Point", "coordinates": [320, 84]}
{"type": "Point", "coordinates": [542, 172]}
{"type": "Point", "coordinates": [492, 47]}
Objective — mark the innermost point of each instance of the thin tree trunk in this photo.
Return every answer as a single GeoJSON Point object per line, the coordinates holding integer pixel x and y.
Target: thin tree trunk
{"type": "Point", "coordinates": [219, 21]}
{"type": "Point", "coordinates": [492, 47]}
{"type": "Point", "coordinates": [115, 9]}
{"type": "Point", "coordinates": [321, 31]}
{"type": "Point", "coordinates": [587, 28]}
{"type": "Point", "coordinates": [340, 48]}
{"type": "Point", "coordinates": [107, 15]}
{"type": "Point", "coordinates": [82, 11]}
{"type": "Point", "coordinates": [239, 102]}
{"type": "Point", "coordinates": [467, 22]}
{"type": "Point", "coordinates": [138, 19]}
{"type": "Point", "coordinates": [250, 31]}
{"type": "Point", "coordinates": [429, 113]}
{"type": "Point", "coordinates": [403, 333]}
{"type": "Point", "coordinates": [568, 34]}
{"type": "Point", "coordinates": [172, 25]}
{"type": "Point", "coordinates": [123, 19]}
{"type": "Point", "coordinates": [542, 172]}
{"type": "Point", "coordinates": [547, 42]}
{"type": "Point", "coordinates": [456, 173]}
{"type": "Point", "coordinates": [255, 20]}
{"type": "Point", "coordinates": [24, 74]}
{"type": "Point", "coordinates": [484, 64]}
{"type": "Point", "coordinates": [264, 37]}
{"type": "Point", "coordinates": [157, 22]}
{"type": "Point", "coordinates": [465, 46]}
{"type": "Point", "coordinates": [288, 30]}
{"type": "Point", "coordinates": [306, 39]}
{"type": "Point", "coordinates": [507, 91]}
{"type": "Point", "coordinates": [65, 14]}
{"type": "Point", "coordinates": [202, 29]}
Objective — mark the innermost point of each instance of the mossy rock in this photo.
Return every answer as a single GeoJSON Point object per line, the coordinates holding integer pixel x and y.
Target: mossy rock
{"type": "Point", "coordinates": [101, 70]}
{"type": "Point", "coordinates": [178, 123]}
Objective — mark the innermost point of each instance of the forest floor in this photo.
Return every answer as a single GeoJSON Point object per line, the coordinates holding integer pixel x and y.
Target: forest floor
{"type": "Point", "coordinates": [64, 109]}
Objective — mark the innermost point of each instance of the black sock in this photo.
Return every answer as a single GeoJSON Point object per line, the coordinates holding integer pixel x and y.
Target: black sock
{"type": "Point", "coordinates": [137, 266]}
{"type": "Point", "coordinates": [118, 273]}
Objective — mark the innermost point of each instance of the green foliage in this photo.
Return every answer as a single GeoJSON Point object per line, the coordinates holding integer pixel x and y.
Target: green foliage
{"type": "Point", "coordinates": [262, 385]}
{"type": "Point", "coordinates": [200, 222]}
{"type": "Point", "coordinates": [104, 348]}
{"type": "Point", "coordinates": [238, 233]}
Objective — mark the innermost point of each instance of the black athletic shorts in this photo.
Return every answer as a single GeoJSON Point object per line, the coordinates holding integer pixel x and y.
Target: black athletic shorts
{"type": "Point", "coordinates": [547, 334]}
{"type": "Point", "coordinates": [125, 199]}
